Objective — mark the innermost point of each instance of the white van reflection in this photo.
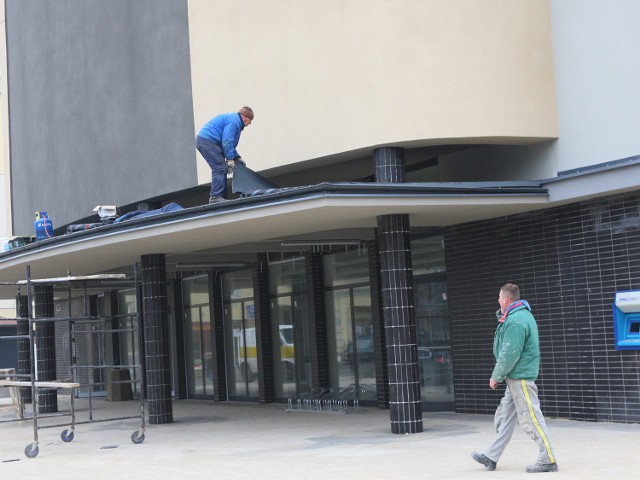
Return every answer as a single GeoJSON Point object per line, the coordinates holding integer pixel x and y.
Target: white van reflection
{"type": "Point", "coordinates": [246, 354]}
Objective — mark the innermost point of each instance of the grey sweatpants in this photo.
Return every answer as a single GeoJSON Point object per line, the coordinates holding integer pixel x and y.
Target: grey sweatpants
{"type": "Point", "coordinates": [520, 404]}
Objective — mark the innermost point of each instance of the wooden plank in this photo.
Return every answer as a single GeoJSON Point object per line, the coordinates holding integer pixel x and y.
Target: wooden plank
{"type": "Point", "coordinates": [100, 276]}
{"type": "Point", "coordinates": [25, 383]}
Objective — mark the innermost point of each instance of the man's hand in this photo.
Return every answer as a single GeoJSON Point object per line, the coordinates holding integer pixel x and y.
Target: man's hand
{"type": "Point", "coordinates": [240, 161]}
{"type": "Point", "coordinates": [493, 384]}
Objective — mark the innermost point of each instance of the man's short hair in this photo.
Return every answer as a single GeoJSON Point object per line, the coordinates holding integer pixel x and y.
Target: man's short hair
{"type": "Point", "coordinates": [511, 291]}
{"type": "Point", "coordinates": [247, 112]}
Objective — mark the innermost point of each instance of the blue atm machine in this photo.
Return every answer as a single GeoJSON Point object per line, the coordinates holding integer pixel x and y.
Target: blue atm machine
{"type": "Point", "coordinates": [626, 320]}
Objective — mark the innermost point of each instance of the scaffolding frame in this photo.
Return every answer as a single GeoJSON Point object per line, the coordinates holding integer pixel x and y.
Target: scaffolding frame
{"type": "Point", "coordinates": [18, 381]}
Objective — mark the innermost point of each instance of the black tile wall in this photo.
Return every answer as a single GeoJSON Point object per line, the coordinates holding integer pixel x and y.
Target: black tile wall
{"type": "Point", "coordinates": [568, 261]}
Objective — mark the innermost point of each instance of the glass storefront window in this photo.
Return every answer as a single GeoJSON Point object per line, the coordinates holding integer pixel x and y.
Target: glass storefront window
{"type": "Point", "coordinates": [350, 321]}
{"type": "Point", "coordinates": [427, 255]}
{"type": "Point", "coordinates": [340, 333]}
{"type": "Point", "coordinates": [287, 276]}
{"type": "Point", "coordinates": [346, 268]}
{"type": "Point", "coordinates": [432, 323]}
{"type": "Point", "coordinates": [240, 334]}
{"type": "Point", "coordinates": [197, 334]}
{"type": "Point", "coordinates": [129, 341]}
{"type": "Point", "coordinates": [290, 331]}
{"type": "Point", "coordinates": [238, 285]}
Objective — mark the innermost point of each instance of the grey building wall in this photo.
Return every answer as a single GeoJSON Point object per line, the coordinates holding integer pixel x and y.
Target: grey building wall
{"type": "Point", "coordinates": [100, 105]}
{"type": "Point", "coordinates": [597, 67]}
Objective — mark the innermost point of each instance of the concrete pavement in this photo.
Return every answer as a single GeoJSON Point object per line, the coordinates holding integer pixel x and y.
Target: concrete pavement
{"type": "Point", "coordinates": [236, 440]}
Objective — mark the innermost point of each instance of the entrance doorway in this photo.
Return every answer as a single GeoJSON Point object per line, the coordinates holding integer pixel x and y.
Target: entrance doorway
{"type": "Point", "coordinates": [434, 344]}
{"type": "Point", "coordinates": [291, 351]}
{"type": "Point", "coordinates": [290, 328]}
{"type": "Point", "coordinates": [240, 335]}
{"type": "Point", "coordinates": [197, 327]}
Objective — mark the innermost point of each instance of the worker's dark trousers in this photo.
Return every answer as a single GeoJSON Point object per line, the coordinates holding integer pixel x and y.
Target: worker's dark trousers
{"type": "Point", "coordinates": [213, 154]}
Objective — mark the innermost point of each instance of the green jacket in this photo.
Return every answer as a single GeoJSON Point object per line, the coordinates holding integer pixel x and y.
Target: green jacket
{"type": "Point", "coordinates": [516, 346]}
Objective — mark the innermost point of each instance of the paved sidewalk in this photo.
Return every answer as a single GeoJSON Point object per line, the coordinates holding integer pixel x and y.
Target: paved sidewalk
{"type": "Point", "coordinates": [241, 441]}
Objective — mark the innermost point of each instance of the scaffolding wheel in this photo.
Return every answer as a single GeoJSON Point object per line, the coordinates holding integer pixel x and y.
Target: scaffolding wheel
{"type": "Point", "coordinates": [137, 437]}
{"type": "Point", "coordinates": [31, 450]}
{"type": "Point", "coordinates": [67, 435]}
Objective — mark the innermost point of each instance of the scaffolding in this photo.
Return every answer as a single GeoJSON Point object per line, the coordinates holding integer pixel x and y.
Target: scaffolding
{"type": "Point", "coordinates": [84, 330]}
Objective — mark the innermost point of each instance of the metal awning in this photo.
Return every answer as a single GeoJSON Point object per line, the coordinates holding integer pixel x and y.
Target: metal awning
{"type": "Point", "coordinates": [261, 223]}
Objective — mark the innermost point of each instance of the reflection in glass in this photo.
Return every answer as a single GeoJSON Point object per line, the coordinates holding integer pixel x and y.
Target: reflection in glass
{"type": "Point", "coordinates": [290, 330]}
{"type": "Point", "coordinates": [341, 356]}
{"type": "Point", "coordinates": [129, 342]}
{"type": "Point", "coordinates": [350, 322]}
{"type": "Point", "coordinates": [434, 345]}
{"type": "Point", "coordinates": [284, 352]}
{"type": "Point", "coordinates": [432, 321]}
{"type": "Point", "coordinates": [198, 341]}
{"type": "Point", "coordinates": [240, 334]}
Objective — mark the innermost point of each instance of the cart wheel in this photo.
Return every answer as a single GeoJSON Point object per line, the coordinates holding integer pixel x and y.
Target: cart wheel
{"type": "Point", "coordinates": [31, 450]}
{"type": "Point", "coordinates": [67, 435]}
{"type": "Point", "coordinates": [137, 437]}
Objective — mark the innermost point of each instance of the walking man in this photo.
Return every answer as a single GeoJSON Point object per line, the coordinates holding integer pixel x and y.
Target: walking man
{"type": "Point", "coordinates": [218, 140]}
{"type": "Point", "coordinates": [516, 348]}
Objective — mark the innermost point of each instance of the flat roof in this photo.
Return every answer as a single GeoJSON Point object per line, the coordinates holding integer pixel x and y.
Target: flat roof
{"type": "Point", "coordinates": [261, 223]}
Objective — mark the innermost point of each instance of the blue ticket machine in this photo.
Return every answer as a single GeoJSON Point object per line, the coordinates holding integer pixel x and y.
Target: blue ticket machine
{"type": "Point", "coordinates": [626, 320]}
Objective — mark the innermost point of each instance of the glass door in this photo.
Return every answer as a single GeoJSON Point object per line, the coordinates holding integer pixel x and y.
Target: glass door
{"type": "Point", "coordinates": [129, 339]}
{"type": "Point", "coordinates": [242, 358]}
{"type": "Point", "coordinates": [302, 344]}
{"type": "Point", "coordinates": [350, 328]}
{"type": "Point", "coordinates": [292, 357]}
{"type": "Point", "coordinates": [198, 342]}
{"type": "Point", "coordinates": [434, 344]}
{"type": "Point", "coordinates": [198, 352]}
{"type": "Point", "coordinates": [240, 335]}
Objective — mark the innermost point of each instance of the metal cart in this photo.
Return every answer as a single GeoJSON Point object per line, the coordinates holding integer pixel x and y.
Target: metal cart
{"type": "Point", "coordinates": [127, 324]}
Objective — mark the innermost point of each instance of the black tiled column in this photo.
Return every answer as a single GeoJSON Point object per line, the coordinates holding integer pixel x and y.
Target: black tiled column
{"type": "Point", "coordinates": [217, 340]}
{"type": "Point", "coordinates": [400, 323]}
{"type": "Point", "coordinates": [389, 164]}
{"type": "Point", "coordinates": [264, 342]}
{"type": "Point", "coordinates": [24, 355]}
{"type": "Point", "coordinates": [45, 348]}
{"type": "Point", "coordinates": [317, 321]}
{"type": "Point", "coordinates": [396, 277]}
{"type": "Point", "coordinates": [156, 339]}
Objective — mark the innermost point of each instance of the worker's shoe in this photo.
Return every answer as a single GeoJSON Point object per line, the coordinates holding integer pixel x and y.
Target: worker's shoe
{"type": "Point", "coordinates": [484, 460]}
{"type": "Point", "coordinates": [215, 199]}
{"type": "Point", "coordinates": [542, 467]}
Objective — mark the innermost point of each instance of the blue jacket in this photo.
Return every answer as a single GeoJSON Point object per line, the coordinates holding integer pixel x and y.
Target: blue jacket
{"type": "Point", "coordinates": [225, 130]}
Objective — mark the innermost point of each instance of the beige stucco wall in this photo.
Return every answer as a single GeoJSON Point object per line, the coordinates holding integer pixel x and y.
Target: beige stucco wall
{"type": "Point", "coordinates": [7, 307]}
{"type": "Point", "coordinates": [327, 77]}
